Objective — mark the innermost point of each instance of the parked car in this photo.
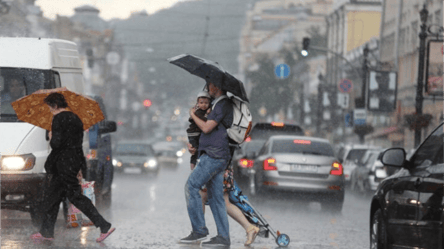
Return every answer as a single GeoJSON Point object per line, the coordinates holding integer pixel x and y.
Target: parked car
{"type": "Point", "coordinates": [349, 156]}
{"type": "Point", "coordinates": [407, 207]}
{"type": "Point", "coordinates": [368, 173]}
{"type": "Point", "coordinates": [139, 155]}
{"type": "Point", "coordinates": [304, 165]}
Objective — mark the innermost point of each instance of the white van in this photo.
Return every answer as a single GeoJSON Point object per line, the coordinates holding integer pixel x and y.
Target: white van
{"type": "Point", "coordinates": [27, 65]}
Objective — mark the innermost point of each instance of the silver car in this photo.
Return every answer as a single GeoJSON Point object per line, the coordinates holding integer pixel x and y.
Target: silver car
{"type": "Point", "coordinates": [305, 165]}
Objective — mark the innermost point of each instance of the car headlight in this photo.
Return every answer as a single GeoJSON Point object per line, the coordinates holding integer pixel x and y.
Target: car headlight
{"type": "Point", "coordinates": [150, 163]}
{"type": "Point", "coordinates": [17, 163]}
{"type": "Point", "coordinates": [117, 163]}
{"type": "Point", "coordinates": [179, 153]}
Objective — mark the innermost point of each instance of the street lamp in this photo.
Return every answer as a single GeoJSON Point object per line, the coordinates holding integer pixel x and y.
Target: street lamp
{"type": "Point", "coordinates": [423, 14]}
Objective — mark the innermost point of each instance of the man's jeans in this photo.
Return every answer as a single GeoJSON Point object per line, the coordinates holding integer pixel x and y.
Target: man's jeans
{"type": "Point", "coordinates": [209, 172]}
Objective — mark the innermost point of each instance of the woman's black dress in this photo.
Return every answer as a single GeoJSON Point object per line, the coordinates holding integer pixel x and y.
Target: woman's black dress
{"type": "Point", "coordinates": [62, 166]}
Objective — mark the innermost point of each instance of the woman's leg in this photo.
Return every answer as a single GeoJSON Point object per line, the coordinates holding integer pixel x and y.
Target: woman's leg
{"type": "Point", "coordinates": [51, 204]}
{"type": "Point", "coordinates": [235, 213]}
{"type": "Point", "coordinates": [204, 196]}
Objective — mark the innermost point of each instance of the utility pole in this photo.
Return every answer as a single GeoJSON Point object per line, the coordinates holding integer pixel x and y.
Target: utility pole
{"type": "Point", "coordinates": [207, 23]}
{"type": "Point", "coordinates": [364, 76]}
{"type": "Point", "coordinates": [422, 46]}
{"type": "Point", "coordinates": [320, 108]}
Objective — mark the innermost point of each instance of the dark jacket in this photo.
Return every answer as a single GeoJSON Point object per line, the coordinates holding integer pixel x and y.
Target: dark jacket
{"type": "Point", "coordinates": [193, 129]}
{"type": "Point", "coordinates": [66, 156]}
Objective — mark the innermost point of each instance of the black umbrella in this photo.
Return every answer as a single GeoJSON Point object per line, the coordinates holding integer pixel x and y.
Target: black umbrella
{"type": "Point", "coordinates": [210, 71]}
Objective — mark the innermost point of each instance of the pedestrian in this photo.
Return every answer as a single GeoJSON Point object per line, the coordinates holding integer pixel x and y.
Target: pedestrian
{"type": "Point", "coordinates": [193, 131]}
{"type": "Point", "coordinates": [64, 165]}
{"type": "Point", "coordinates": [214, 155]}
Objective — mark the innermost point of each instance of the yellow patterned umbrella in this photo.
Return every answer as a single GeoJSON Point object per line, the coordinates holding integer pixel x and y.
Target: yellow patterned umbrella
{"type": "Point", "coordinates": [32, 109]}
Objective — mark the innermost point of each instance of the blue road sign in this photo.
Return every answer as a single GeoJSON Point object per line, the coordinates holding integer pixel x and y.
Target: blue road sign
{"type": "Point", "coordinates": [282, 71]}
{"type": "Point", "coordinates": [345, 85]}
{"type": "Point", "coordinates": [348, 120]}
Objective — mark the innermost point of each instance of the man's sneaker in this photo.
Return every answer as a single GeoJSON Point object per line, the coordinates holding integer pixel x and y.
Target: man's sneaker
{"type": "Point", "coordinates": [193, 237]}
{"type": "Point", "coordinates": [216, 242]}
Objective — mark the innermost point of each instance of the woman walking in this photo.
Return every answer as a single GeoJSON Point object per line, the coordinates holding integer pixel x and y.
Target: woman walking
{"type": "Point", "coordinates": [232, 210]}
{"type": "Point", "coordinates": [65, 162]}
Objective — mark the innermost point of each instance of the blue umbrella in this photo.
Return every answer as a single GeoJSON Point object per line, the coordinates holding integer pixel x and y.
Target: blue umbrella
{"type": "Point", "coordinates": [211, 72]}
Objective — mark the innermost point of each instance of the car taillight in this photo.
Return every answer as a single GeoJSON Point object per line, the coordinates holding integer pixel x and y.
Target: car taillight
{"type": "Point", "coordinates": [336, 169]}
{"type": "Point", "coordinates": [270, 164]}
{"type": "Point", "coordinates": [279, 124]}
{"type": "Point", "coordinates": [246, 163]}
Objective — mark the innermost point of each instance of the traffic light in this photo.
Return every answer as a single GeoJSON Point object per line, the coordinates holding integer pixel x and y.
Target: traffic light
{"type": "Point", "coordinates": [90, 57]}
{"type": "Point", "coordinates": [147, 103]}
{"type": "Point", "coordinates": [305, 46]}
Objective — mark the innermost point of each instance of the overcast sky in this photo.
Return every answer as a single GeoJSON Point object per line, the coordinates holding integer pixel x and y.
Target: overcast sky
{"type": "Point", "coordinates": [108, 8]}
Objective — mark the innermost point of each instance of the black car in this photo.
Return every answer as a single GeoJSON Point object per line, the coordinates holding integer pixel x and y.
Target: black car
{"type": "Point", "coordinates": [407, 208]}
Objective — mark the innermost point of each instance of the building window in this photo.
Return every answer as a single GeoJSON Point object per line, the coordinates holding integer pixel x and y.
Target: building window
{"type": "Point", "coordinates": [415, 33]}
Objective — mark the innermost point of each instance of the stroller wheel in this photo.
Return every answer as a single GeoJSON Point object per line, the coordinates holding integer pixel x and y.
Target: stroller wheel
{"type": "Point", "coordinates": [283, 240]}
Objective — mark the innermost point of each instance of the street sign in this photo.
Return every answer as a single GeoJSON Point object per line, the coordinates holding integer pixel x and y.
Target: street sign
{"type": "Point", "coordinates": [434, 65]}
{"type": "Point", "coordinates": [343, 100]}
{"type": "Point", "coordinates": [345, 85]}
{"type": "Point", "coordinates": [282, 71]}
{"type": "Point", "coordinates": [382, 91]}
{"type": "Point", "coordinates": [360, 116]}
{"type": "Point", "coordinates": [112, 58]}
{"type": "Point", "coordinates": [348, 120]}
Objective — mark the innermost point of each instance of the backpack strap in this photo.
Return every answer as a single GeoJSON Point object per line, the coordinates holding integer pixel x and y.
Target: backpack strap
{"type": "Point", "coordinates": [219, 99]}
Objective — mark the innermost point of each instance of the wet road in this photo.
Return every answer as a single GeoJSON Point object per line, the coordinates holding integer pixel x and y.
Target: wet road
{"type": "Point", "coordinates": [150, 212]}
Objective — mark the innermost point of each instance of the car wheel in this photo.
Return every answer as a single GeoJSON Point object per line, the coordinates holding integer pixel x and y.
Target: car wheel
{"type": "Point", "coordinates": [378, 232]}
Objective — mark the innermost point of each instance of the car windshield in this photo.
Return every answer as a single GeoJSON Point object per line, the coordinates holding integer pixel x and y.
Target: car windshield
{"type": "Point", "coordinates": [371, 159]}
{"type": "Point", "coordinates": [302, 146]}
{"type": "Point", "coordinates": [431, 151]}
{"type": "Point", "coordinates": [253, 146]}
{"type": "Point", "coordinates": [264, 131]}
{"type": "Point", "coordinates": [134, 149]}
{"type": "Point", "coordinates": [18, 82]}
{"type": "Point", "coordinates": [355, 154]}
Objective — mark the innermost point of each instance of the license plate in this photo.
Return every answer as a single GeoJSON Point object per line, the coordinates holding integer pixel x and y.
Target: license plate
{"type": "Point", "coordinates": [303, 168]}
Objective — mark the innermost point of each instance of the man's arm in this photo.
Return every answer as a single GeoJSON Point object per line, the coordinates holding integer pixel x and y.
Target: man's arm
{"type": "Point", "coordinates": [205, 126]}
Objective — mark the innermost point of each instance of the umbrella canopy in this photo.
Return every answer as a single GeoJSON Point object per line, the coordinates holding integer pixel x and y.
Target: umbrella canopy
{"type": "Point", "coordinates": [210, 71]}
{"type": "Point", "coordinates": [32, 109]}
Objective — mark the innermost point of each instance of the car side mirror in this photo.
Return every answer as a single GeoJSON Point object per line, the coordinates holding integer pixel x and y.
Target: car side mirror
{"type": "Point", "coordinates": [393, 157]}
{"type": "Point", "coordinates": [250, 155]}
{"type": "Point", "coordinates": [108, 127]}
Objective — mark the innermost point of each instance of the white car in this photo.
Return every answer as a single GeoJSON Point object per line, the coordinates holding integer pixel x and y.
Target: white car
{"type": "Point", "coordinates": [349, 156]}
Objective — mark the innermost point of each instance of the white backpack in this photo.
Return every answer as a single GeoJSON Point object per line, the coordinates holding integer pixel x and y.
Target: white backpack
{"type": "Point", "coordinates": [241, 126]}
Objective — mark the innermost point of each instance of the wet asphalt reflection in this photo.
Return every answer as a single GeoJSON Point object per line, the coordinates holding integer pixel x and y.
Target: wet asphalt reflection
{"type": "Point", "coordinates": [149, 211]}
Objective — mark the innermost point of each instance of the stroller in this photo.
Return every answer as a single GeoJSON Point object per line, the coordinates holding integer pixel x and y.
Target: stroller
{"type": "Point", "coordinates": [253, 216]}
